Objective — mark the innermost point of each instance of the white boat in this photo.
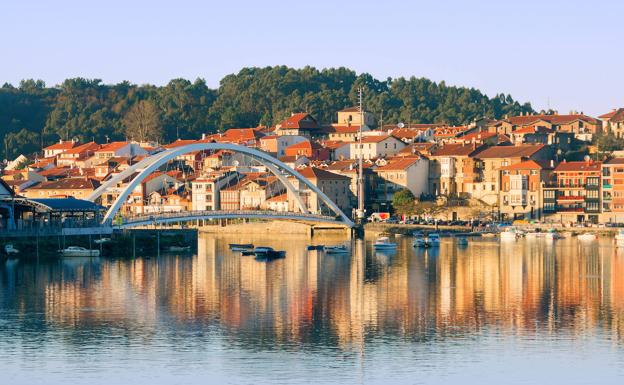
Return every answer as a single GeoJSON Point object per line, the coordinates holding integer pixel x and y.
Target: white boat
{"type": "Point", "coordinates": [419, 240]}
{"type": "Point", "coordinates": [383, 243]}
{"type": "Point", "coordinates": [9, 249]}
{"type": "Point", "coordinates": [510, 234]}
{"type": "Point", "coordinates": [340, 249]}
{"type": "Point", "coordinates": [179, 248]}
{"type": "Point", "coordinates": [78, 251]}
{"type": "Point", "coordinates": [534, 234]}
{"type": "Point", "coordinates": [101, 240]}
{"type": "Point", "coordinates": [433, 240]}
{"type": "Point", "coordinates": [587, 237]}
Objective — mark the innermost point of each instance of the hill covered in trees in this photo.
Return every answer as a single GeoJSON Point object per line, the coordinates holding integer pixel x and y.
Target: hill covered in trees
{"type": "Point", "coordinates": [32, 114]}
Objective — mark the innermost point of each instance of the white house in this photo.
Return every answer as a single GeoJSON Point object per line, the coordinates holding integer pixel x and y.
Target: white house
{"type": "Point", "coordinates": [376, 146]}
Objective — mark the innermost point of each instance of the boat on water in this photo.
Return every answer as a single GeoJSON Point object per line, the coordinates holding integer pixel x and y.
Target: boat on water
{"type": "Point", "coordinates": [241, 246]}
{"type": "Point", "coordinates": [433, 240]}
{"type": "Point", "coordinates": [9, 249]}
{"type": "Point", "coordinates": [78, 251]}
{"type": "Point", "coordinates": [552, 235]}
{"type": "Point", "coordinates": [265, 253]}
{"type": "Point", "coordinates": [101, 240]}
{"type": "Point", "coordinates": [316, 247]}
{"type": "Point", "coordinates": [509, 234]}
{"type": "Point", "coordinates": [383, 243]}
{"type": "Point", "coordinates": [587, 237]}
{"type": "Point", "coordinates": [419, 239]}
{"type": "Point", "coordinates": [179, 248]}
{"type": "Point", "coordinates": [462, 241]}
{"type": "Point", "coordinates": [339, 249]}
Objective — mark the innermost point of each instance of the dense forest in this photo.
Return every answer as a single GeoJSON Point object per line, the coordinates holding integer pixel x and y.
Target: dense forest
{"type": "Point", "coordinates": [33, 114]}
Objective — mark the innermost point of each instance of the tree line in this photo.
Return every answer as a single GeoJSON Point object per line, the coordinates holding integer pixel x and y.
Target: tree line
{"type": "Point", "coordinates": [33, 114]}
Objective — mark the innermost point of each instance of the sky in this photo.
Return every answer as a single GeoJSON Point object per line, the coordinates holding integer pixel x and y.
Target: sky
{"type": "Point", "coordinates": [566, 55]}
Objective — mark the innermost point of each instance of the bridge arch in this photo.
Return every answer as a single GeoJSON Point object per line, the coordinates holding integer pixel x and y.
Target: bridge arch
{"type": "Point", "coordinates": [154, 162]}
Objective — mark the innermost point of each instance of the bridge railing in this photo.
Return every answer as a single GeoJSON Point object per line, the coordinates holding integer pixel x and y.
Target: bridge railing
{"type": "Point", "coordinates": [182, 215]}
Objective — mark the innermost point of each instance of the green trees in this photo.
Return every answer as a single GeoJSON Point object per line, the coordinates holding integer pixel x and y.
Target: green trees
{"type": "Point", "coordinates": [87, 109]}
{"type": "Point", "coordinates": [403, 202]}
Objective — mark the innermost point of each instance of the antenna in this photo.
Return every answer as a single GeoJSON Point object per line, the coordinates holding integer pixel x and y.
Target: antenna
{"type": "Point", "coordinates": [360, 210]}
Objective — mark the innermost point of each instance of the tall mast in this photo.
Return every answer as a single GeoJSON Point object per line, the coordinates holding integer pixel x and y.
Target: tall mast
{"type": "Point", "coordinates": [360, 209]}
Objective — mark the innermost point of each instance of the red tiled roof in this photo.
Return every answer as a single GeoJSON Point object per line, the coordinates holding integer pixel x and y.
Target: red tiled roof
{"type": "Point", "coordinates": [399, 164]}
{"type": "Point", "coordinates": [278, 198]}
{"type": "Point", "coordinates": [525, 150]}
{"type": "Point", "coordinates": [91, 146]}
{"type": "Point", "coordinates": [532, 130]}
{"type": "Point", "coordinates": [351, 109]}
{"type": "Point", "coordinates": [553, 119]}
{"type": "Point", "coordinates": [375, 138]}
{"type": "Point", "coordinates": [67, 184]}
{"type": "Point", "coordinates": [299, 120]}
{"type": "Point", "coordinates": [66, 145]}
{"type": "Point", "coordinates": [113, 146]}
{"type": "Point", "coordinates": [242, 134]}
{"type": "Point", "coordinates": [526, 165]}
{"type": "Point", "coordinates": [340, 129]}
{"type": "Point", "coordinates": [334, 144]}
{"type": "Point", "coordinates": [317, 173]}
{"type": "Point", "coordinates": [179, 143]}
{"type": "Point", "coordinates": [579, 166]}
{"type": "Point", "coordinates": [477, 136]}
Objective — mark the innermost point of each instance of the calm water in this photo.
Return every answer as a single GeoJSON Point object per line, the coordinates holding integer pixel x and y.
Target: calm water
{"type": "Point", "coordinates": [514, 313]}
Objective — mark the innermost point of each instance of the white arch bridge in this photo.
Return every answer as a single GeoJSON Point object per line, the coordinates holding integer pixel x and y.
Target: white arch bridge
{"type": "Point", "coordinates": [145, 167]}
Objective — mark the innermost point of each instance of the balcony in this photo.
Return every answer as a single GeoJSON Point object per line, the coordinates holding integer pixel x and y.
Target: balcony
{"type": "Point", "coordinates": [569, 198]}
{"type": "Point", "coordinates": [570, 210]}
{"type": "Point", "coordinates": [606, 185]}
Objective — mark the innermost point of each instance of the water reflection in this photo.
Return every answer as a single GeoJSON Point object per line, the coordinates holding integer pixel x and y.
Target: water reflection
{"type": "Point", "coordinates": [346, 302]}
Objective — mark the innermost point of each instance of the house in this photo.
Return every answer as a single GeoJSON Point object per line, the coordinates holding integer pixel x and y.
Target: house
{"type": "Point", "coordinates": [251, 192]}
{"type": "Point", "coordinates": [613, 190]}
{"type": "Point", "coordinates": [521, 189]}
{"type": "Point", "coordinates": [294, 161]}
{"type": "Point", "coordinates": [353, 117]}
{"type": "Point", "coordinates": [349, 168]}
{"type": "Point", "coordinates": [575, 195]}
{"type": "Point", "coordinates": [244, 136]}
{"type": "Point", "coordinates": [376, 146]}
{"type": "Point", "coordinates": [337, 150]}
{"type": "Point", "coordinates": [452, 169]}
{"type": "Point", "coordinates": [345, 133]}
{"type": "Point", "coordinates": [543, 135]}
{"type": "Point", "coordinates": [58, 148]}
{"type": "Point", "coordinates": [277, 203]}
{"type": "Point", "coordinates": [298, 124]}
{"type": "Point", "coordinates": [490, 161]}
{"type": "Point", "coordinates": [78, 156]}
{"type": "Point", "coordinates": [79, 188]}
{"type": "Point", "coordinates": [582, 126]}
{"type": "Point", "coordinates": [614, 122]}
{"type": "Point", "coordinates": [119, 149]}
{"type": "Point", "coordinates": [311, 150]}
{"type": "Point", "coordinates": [157, 181]}
{"type": "Point", "coordinates": [334, 186]}
{"type": "Point", "coordinates": [206, 189]}
{"type": "Point", "coordinates": [410, 173]}
{"type": "Point", "coordinates": [412, 135]}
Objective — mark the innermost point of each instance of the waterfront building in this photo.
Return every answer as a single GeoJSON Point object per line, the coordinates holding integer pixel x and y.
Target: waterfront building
{"type": "Point", "coordinates": [521, 189]}
{"type": "Point", "coordinates": [335, 186]}
{"type": "Point", "coordinates": [452, 169]}
{"type": "Point", "coordinates": [206, 189]}
{"type": "Point", "coordinates": [576, 194]}
{"type": "Point", "coordinates": [410, 173]}
{"type": "Point", "coordinates": [79, 188]}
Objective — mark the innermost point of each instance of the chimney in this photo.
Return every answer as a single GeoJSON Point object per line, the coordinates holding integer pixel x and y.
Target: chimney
{"type": "Point", "coordinates": [552, 163]}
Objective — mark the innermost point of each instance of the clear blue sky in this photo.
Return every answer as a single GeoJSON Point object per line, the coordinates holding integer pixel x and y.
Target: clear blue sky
{"type": "Point", "coordinates": [566, 52]}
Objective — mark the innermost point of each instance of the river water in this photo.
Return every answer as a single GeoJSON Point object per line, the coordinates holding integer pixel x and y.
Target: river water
{"type": "Point", "coordinates": [524, 312]}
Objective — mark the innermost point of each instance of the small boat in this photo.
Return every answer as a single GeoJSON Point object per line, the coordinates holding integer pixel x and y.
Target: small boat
{"type": "Point", "coordinates": [316, 247]}
{"type": "Point", "coordinates": [534, 234]}
{"type": "Point", "coordinates": [462, 241]}
{"type": "Point", "coordinates": [383, 243]}
{"type": "Point", "coordinates": [78, 251]}
{"type": "Point", "coordinates": [241, 246]}
{"type": "Point", "coordinates": [552, 235]}
{"type": "Point", "coordinates": [510, 234]}
{"type": "Point", "coordinates": [265, 253]}
{"type": "Point", "coordinates": [179, 248]}
{"type": "Point", "coordinates": [488, 235]}
{"type": "Point", "coordinates": [9, 249]}
{"type": "Point", "coordinates": [433, 240]}
{"type": "Point", "coordinates": [587, 237]}
{"type": "Point", "coordinates": [340, 249]}
{"type": "Point", "coordinates": [101, 240]}
{"type": "Point", "coordinates": [419, 239]}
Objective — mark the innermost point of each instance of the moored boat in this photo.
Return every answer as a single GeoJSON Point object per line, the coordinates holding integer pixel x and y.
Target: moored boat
{"type": "Point", "coordinates": [552, 235]}
{"type": "Point", "coordinates": [9, 249]}
{"type": "Point", "coordinates": [462, 241]}
{"type": "Point", "coordinates": [338, 249]}
{"type": "Point", "coordinates": [241, 246]}
{"type": "Point", "coordinates": [419, 239]}
{"type": "Point", "coordinates": [433, 240]}
{"type": "Point", "coordinates": [509, 234]}
{"type": "Point", "coordinates": [383, 243]}
{"type": "Point", "coordinates": [265, 253]}
{"type": "Point", "coordinates": [78, 251]}
{"type": "Point", "coordinates": [179, 248]}
{"type": "Point", "coordinates": [587, 237]}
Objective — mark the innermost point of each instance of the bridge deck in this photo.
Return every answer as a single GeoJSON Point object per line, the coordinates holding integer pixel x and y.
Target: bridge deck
{"type": "Point", "coordinates": [187, 216]}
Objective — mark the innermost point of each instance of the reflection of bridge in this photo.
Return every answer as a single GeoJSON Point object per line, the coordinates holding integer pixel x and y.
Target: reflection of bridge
{"type": "Point", "coordinates": [189, 216]}
{"type": "Point", "coordinates": [282, 171]}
